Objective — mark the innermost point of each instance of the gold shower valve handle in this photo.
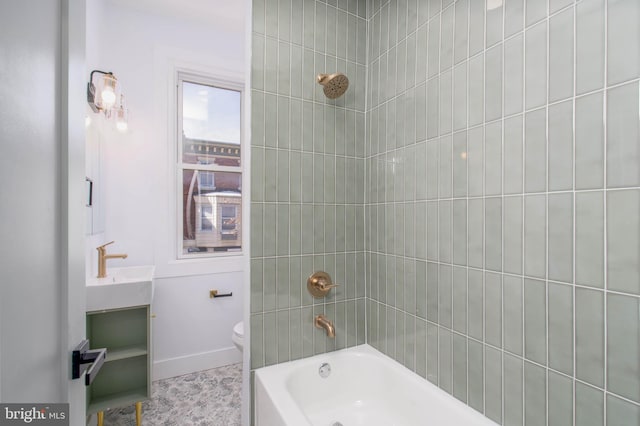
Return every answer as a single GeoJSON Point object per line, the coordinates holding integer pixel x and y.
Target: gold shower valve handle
{"type": "Point", "coordinates": [319, 284]}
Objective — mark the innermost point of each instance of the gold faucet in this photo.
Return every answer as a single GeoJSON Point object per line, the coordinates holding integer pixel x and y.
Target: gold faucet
{"type": "Point", "coordinates": [102, 259]}
{"type": "Point", "coordinates": [323, 322]}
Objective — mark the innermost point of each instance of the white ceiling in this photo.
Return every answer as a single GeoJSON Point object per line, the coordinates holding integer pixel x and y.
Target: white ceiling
{"type": "Point", "coordinates": [227, 14]}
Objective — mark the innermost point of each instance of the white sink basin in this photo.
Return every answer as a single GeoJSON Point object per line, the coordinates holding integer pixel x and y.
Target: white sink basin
{"type": "Point", "coordinates": [121, 288]}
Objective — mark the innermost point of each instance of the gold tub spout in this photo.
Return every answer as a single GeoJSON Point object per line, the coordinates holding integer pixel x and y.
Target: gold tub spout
{"type": "Point", "coordinates": [102, 259]}
{"type": "Point", "coordinates": [323, 322]}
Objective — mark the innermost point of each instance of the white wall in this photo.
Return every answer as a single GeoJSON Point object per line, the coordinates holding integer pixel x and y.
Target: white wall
{"type": "Point", "coordinates": [190, 332]}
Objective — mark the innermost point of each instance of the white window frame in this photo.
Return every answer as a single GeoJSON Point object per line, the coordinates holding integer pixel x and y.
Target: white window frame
{"type": "Point", "coordinates": [183, 75]}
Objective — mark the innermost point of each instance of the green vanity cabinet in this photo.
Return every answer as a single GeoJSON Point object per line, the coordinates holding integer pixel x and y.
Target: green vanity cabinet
{"type": "Point", "coordinates": [125, 377]}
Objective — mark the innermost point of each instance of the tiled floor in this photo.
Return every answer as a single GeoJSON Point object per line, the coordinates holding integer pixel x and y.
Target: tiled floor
{"type": "Point", "coordinates": [205, 398]}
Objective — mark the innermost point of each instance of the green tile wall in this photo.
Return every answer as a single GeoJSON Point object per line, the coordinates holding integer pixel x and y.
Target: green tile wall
{"type": "Point", "coordinates": [476, 192]}
{"type": "Point", "coordinates": [307, 176]}
{"type": "Point", "coordinates": [502, 171]}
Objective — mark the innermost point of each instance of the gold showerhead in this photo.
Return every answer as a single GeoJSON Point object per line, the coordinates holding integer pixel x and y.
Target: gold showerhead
{"type": "Point", "coordinates": [334, 84]}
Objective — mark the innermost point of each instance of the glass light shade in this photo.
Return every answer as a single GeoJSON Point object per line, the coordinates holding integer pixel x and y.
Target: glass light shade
{"type": "Point", "coordinates": [122, 119]}
{"type": "Point", "coordinates": [108, 93]}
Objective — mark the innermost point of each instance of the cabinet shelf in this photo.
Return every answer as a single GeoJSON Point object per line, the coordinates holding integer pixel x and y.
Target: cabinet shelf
{"type": "Point", "coordinates": [132, 351]}
{"type": "Point", "coordinates": [117, 400]}
{"type": "Point", "coordinates": [125, 377]}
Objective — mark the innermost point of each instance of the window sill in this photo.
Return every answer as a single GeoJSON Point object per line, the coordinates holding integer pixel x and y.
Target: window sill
{"type": "Point", "coordinates": [223, 263]}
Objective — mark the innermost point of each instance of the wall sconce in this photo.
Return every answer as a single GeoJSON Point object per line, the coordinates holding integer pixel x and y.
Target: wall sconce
{"type": "Point", "coordinates": [102, 94]}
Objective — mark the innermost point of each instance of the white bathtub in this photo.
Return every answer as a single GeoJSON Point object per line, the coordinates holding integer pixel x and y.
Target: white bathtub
{"type": "Point", "coordinates": [364, 388]}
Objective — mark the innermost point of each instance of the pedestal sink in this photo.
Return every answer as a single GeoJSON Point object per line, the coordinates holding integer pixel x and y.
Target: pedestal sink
{"type": "Point", "coordinates": [121, 288]}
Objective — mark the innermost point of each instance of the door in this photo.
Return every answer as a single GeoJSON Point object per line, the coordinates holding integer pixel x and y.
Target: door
{"type": "Point", "coordinates": [73, 82]}
{"type": "Point", "coordinates": [41, 215]}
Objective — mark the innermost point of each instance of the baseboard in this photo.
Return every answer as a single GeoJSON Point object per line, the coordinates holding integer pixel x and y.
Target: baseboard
{"type": "Point", "coordinates": [165, 368]}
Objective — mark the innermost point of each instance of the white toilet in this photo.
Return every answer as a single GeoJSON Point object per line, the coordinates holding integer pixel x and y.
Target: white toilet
{"type": "Point", "coordinates": [238, 335]}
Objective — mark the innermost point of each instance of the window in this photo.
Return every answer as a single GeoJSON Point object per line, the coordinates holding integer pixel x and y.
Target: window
{"type": "Point", "coordinates": [206, 218]}
{"type": "Point", "coordinates": [209, 166]}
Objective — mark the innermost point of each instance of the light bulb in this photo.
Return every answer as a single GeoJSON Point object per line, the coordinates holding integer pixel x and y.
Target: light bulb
{"type": "Point", "coordinates": [123, 126]}
{"type": "Point", "coordinates": [108, 97]}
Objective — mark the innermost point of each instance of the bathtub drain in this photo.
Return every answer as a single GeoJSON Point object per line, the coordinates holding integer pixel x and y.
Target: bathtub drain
{"type": "Point", "coordinates": [337, 424]}
{"type": "Point", "coordinates": [325, 371]}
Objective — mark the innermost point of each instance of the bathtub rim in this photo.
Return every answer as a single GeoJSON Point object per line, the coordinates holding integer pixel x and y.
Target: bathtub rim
{"type": "Point", "coordinates": [288, 409]}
